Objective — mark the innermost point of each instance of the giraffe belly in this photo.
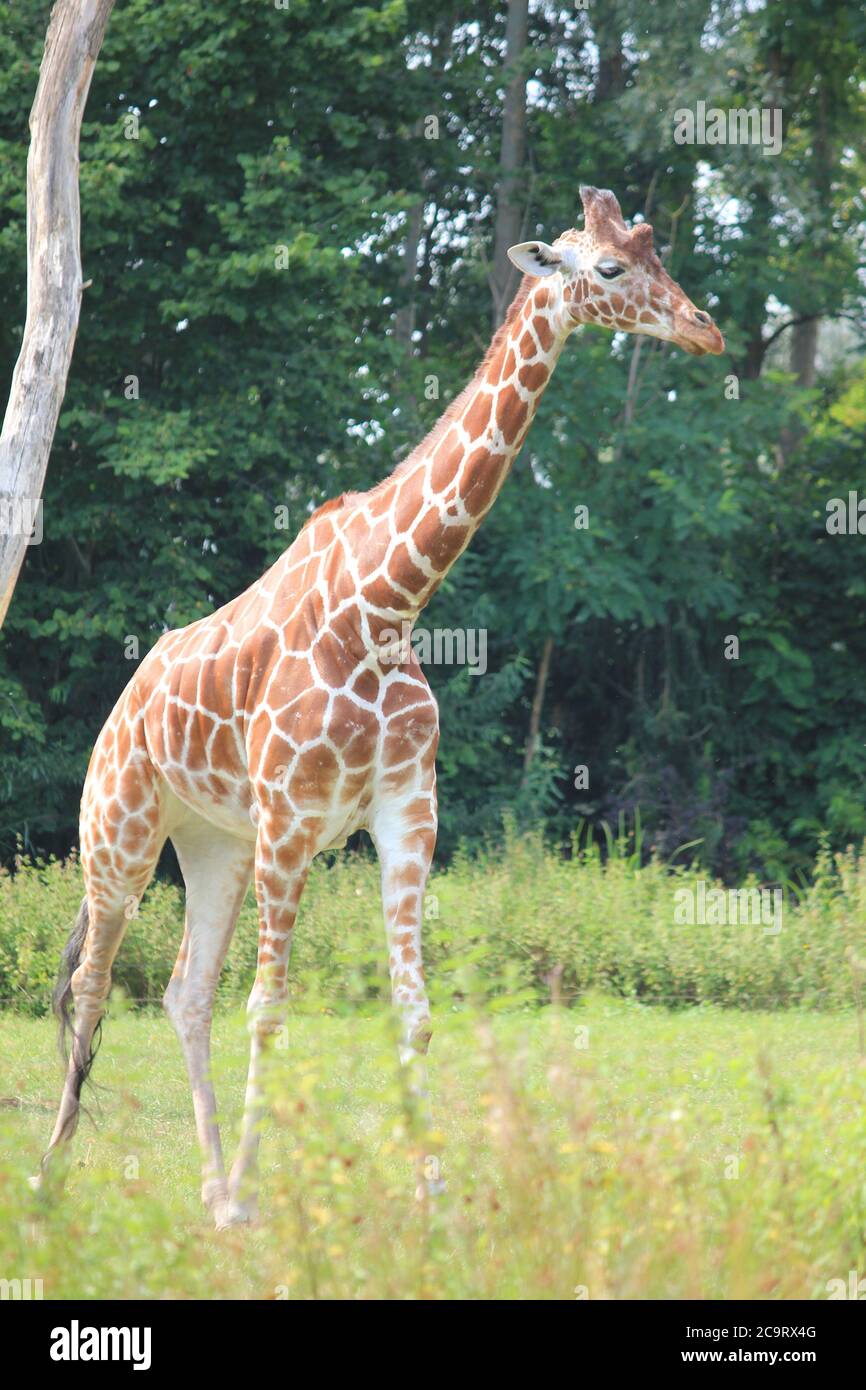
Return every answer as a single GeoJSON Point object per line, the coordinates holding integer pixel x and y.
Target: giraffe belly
{"type": "Point", "coordinates": [336, 838]}
{"type": "Point", "coordinates": [229, 810]}
{"type": "Point", "coordinates": [201, 759]}
{"type": "Point", "coordinates": [234, 807]}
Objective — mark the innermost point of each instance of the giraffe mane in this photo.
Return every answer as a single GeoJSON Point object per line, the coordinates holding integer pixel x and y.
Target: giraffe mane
{"type": "Point", "coordinates": [333, 504]}
{"type": "Point", "coordinates": [455, 409]}
{"type": "Point", "coordinates": [451, 412]}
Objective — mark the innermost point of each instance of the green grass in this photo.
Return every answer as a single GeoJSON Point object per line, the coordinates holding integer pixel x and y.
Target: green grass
{"type": "Point", "coordinates": [615, 1148]}
{"type": "Point", "coordinates": [642, 1142]}
{"type": "Point", "coordinates": [517, 916]}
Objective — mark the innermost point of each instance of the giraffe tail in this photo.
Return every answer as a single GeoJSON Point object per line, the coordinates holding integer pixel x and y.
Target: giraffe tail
{"type": "Point", "coordinates": [62, 998]}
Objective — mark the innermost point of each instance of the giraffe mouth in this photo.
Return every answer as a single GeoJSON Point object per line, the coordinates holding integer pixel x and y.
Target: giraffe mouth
{"type": "Point", "coordinates": [699, 338]}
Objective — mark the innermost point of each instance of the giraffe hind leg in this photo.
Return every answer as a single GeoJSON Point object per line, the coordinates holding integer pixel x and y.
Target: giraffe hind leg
{"type": "Point", "coordinates": [91, 951]}
{"type": "Point", "coordinates": [216, 869]}
{"type": "Point", "coordinates": [121, 838]}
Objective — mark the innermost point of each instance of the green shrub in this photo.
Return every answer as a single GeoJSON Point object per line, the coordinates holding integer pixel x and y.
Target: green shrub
{"type": "Point", "coordinates": [522, 918]}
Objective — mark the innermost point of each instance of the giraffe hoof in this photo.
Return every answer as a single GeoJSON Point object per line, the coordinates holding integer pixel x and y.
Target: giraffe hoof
{"type": "Point", "coordinates": [214, 1194]}
{"type": "Point", "coordinates": [36, 1183]}
{"type": "Point", "coordinates": [430, 1189]}
{"type": "Point", "coordinates": [228, 1214]}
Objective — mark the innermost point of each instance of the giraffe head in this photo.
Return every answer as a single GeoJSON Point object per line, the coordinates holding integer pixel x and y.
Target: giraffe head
{"type": "Point", "coordinates": [611, 275]}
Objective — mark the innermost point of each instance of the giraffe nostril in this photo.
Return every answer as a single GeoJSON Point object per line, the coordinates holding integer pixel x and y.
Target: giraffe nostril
{"type": "Point", "coordinates": [702, 318]}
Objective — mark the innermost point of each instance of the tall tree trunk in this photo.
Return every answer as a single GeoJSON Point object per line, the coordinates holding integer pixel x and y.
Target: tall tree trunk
{"type": "Point", "coordinates": [512, 158]}
{"type": "Point", "coordinates": [608, 29]}
{"type": "Point", "coordinates": [750, 365]}
{"type": "Point", "coordinates": [72, 43]}
{"type": "Point", "coordinates": [803, 359]}
{"type": "Point", "coordinates": [803, 363]}
{"type": "Point", "coordinates": [537, 705]}
{"type": "Point", "coordinates": [752, 361]}
{"type": "Point", "coordinates": [404, 319]}
{"type": "Point", "coordinates": [804, 351]}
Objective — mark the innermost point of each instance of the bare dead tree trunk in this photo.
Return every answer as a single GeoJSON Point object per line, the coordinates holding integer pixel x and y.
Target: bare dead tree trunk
{"type": "Point", "coordinates": [72, 43]}
{"type": "Point", "coordinates": [512, 158]}
{"type": "Point", "coordinates": [537, 705]}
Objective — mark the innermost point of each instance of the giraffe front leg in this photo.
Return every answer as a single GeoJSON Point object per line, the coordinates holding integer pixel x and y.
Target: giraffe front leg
{"type": "Point", "coordinates": [405, 844]}
{"type": "Point", "coordinates": [281, 868]}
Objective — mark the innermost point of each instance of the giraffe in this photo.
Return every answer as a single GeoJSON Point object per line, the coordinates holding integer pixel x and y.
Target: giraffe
{"type": "Point", "coordinates": [286, 720]}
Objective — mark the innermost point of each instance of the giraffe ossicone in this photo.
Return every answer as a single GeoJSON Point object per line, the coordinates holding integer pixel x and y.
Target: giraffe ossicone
{"type": "Point", "coordinates": [273, 729]}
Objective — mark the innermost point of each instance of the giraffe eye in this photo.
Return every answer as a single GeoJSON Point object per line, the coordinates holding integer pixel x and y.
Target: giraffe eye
{"type": "Point", "coordinates": [609, 270]}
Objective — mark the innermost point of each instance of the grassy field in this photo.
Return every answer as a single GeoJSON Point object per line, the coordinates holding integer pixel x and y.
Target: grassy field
{"type": "Point", "coordinates": [610, 1150]}
{"type": "Point", "coordinates": [624, 1105]}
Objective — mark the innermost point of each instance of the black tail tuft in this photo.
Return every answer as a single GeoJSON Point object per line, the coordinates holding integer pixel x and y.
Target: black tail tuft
{"type": "Point", "coordinates": [62, 999]}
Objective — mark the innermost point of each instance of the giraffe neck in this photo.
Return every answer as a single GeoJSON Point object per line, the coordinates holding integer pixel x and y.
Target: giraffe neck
{"type": "Point", "coordinates": [440, 495]}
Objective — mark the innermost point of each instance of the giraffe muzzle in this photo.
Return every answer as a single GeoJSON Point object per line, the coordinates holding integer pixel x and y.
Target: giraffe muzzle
{"type": "Point", "coordinates": [695, 333]}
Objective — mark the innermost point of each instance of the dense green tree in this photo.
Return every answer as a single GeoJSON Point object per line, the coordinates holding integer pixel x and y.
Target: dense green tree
{"type": "Point", "coordinates": [289, 218]}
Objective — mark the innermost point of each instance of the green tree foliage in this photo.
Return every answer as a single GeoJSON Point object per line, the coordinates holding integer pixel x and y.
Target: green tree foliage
{"type": "Point", "coordinates": [287, 219]}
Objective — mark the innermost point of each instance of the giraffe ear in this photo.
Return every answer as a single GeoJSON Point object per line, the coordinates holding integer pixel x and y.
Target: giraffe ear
{"type": "Point", "coordinates": [534, 257]}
